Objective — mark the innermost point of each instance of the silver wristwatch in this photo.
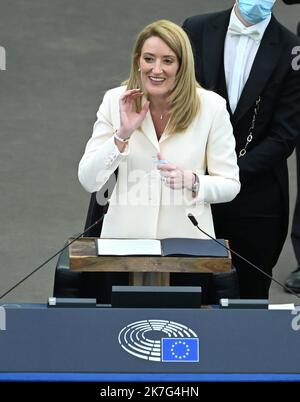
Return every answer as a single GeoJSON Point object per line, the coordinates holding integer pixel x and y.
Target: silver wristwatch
{"type": "Point", "coordinates": [196, 185]}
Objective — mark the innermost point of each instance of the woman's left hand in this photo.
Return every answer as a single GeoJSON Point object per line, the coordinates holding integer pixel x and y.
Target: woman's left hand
{"type": "Point", "coordinates": [174, 176]}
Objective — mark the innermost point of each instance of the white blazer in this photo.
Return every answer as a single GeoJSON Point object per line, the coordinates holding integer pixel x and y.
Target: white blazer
{"type": "Point", "coordinates": [142, 206]}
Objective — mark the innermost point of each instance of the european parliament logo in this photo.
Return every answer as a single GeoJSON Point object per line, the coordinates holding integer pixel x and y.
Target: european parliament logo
{"type": "Point", "coordinates": [160, 341]}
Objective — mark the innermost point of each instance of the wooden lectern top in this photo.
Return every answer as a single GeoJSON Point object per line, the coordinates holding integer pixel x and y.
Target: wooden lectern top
{"type": "Point", "coordinates": [83, 257]}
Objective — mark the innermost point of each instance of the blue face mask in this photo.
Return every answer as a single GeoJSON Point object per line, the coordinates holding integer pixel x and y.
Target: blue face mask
{"type": "Point", "coordinates": [255, 11]}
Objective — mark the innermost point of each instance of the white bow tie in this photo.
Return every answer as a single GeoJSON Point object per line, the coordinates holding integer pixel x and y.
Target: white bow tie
{"type": "Point", "coordinates": [254, 34]}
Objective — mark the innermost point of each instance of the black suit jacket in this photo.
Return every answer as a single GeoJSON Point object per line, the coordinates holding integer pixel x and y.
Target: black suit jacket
{"type": "Point", "coordinates": [263, 170]}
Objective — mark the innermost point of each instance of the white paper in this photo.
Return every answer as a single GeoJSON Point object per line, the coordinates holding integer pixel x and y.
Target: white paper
{"type": "Point", "coordinates": [128, 247]}
{"type": "Point", "coordinates": [284, 306]}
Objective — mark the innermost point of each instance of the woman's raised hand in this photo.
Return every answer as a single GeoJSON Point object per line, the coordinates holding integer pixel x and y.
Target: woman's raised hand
{"type": "Point", "coordinates": [130, 120]}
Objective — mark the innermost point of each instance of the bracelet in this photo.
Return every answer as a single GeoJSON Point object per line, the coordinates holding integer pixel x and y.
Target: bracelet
{"type": "Point", "coordinates": [124, 140]}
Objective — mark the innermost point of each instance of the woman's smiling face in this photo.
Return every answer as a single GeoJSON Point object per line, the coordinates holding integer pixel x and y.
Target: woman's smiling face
{"type": "Point", "coordinates": [158, 67]}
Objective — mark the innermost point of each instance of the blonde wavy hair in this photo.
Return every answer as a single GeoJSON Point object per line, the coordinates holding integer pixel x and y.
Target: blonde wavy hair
{"type": "Point", "coordinates": [184, 101]}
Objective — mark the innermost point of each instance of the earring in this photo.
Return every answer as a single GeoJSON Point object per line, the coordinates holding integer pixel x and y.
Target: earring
{"type": "Point", "coordinates": [139, 69]}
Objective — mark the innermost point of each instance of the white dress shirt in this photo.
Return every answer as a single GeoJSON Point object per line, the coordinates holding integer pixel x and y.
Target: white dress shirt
{"type": "Point", "coordinates": [239, 53]}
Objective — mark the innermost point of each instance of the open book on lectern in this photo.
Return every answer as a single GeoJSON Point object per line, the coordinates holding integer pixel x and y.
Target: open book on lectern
{"type": "Point", "coordinates": [172, 247]}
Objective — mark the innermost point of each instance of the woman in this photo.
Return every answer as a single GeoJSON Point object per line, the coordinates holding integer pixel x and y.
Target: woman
{"type": "Point", "coordinates": [171, 141]}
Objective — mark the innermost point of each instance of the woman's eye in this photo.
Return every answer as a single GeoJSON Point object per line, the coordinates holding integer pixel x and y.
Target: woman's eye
{"type": "Point", "coordinates": [148, 59]}
{"type": "Point", "coordinates": [169, 61]}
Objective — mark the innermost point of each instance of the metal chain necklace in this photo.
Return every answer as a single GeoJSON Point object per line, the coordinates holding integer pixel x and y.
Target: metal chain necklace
{"type": "Point", "coordinates": [243, 151]}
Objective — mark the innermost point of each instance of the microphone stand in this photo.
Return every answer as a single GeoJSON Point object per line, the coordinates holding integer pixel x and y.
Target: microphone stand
{"type": "Point", "coordinates": [49, 259]}
{"type": "Point", "coordinates": [195, 223]}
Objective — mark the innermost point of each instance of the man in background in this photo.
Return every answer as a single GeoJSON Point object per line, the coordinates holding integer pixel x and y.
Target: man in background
{"type": "Point", "coordinates": [245, 55]}
{"type": "Point", "coordinates": [293, 280]}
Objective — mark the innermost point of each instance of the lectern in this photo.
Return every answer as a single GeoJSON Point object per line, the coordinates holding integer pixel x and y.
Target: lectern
{"type": "Point", "coordinates": [83, 257]}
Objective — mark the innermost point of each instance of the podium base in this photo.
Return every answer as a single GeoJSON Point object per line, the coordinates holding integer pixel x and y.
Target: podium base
{"type": "Point", "coordinates": [149, 278]}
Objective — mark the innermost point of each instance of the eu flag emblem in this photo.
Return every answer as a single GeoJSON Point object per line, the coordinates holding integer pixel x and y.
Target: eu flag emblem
{"type": "Point", "coordinates": [180, 349]}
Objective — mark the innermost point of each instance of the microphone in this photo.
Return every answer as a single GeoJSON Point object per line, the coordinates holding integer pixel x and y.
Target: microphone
{"type": "Point", "coordinates": [195, 223]}
{"type": "Point", "coordinates": [54, 255]}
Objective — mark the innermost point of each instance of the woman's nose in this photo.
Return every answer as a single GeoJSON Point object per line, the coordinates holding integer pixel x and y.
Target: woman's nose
{"type": "Point", "coordinates": [157, 68]}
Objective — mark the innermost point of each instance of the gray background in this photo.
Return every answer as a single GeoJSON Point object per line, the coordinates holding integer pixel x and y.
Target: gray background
{"type": "Point", "coordinates": [61, 57]}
